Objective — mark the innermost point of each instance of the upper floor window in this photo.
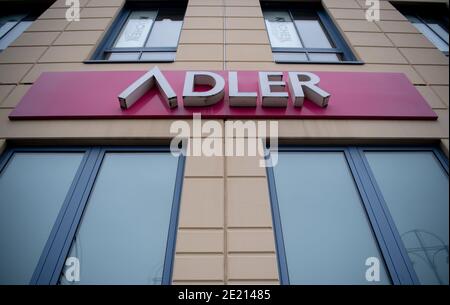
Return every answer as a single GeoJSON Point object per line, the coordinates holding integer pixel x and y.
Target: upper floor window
{"type": "Point", "coordinates": [144, 33]}
{"type": "Point", "coordinates": [14, 20]}
{"type": "Point", "coordinates": [304, 33]}
{"type": "Point", "coordinates": [431, 21]}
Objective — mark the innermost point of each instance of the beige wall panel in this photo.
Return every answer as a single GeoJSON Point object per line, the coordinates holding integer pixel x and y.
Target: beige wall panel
{"type": "Point", "coordinates": [13, 73]}
{"type": "Point", "coordinates": [177, 65]}
{"type": "Point", "coordinates": [443, 120]}
{"type": "Point", "coordinates": [93, 24]}
{"type": "Point", "coordinates": [396, 27]}
{"type": "Point", "coordinates": [62, 3]}
{"type": "Point", "coordinates": [247, 37]}
{"type": "Point", "coordinates": [66, 54]}
{"type": "Point", "coordinates": [105, 3]}
{"type": "Point", "coordinates": [93, 130]}
{"type": "Point", "coordinates": [433, 100]}
{"type": "Point", "coordinates": [78, 38]}
{"type": "Point", "coordinates": [251, 240]}
{"type": "Point", "coordinates": [245, 166]}
{"type": "Point", "coordinates": [192, 283]}
{"type": "Point", "coordinates": [205, 2]}
{"type": "Point", "coordinates": [424, 56]}
{"type": "Point", "coordinates": [203, 23]}
{"type": "Point", "coordinates": [246, 12]}
{"type": "Point", "coordinates": [433, 75]}
{"type": "Point", "coordinates": [196, 241]}
{"type": "Point", "coordinates": [232, 23]}
{"type": "Point", "coordinates": [202, 203]}
{"type": "Point", "coordinates": [204, 11]}
{"type": "Point", "coordinates": [54, 13]}
{"type": "Point", "coordinates": [410, 40]}
{"type": "Point", "coordinates": [13, 55]}
{"type": "Point", "coordinates": [254, 282]}
{"type": "Point", "coordinates": [99, 12]}
{"type": "Point", "coordinates": [248, 203]}
{"type": "Point", "coordinates": [35, 39]}
{"type": "Point", "coordinates": [384, 5]}
{"type": "Point", "coordinates": [205, 52]}
{"type": "Point", "coordinates": [204, 166]}
{"type": "Point", "coordinates": [442, 92]}
{"type": "Point", "coordinates": [374, 55]}
{"type": "Point", "coordinates": [391, 15]}
{"type": "Point", "coordinates": [201, 37]}
{"type": "Point", "coordinates": [357, 25]}
{"type": "Point", "coordinates": [198, 267]}
{"type": "Point", "coordinates": [16, 95]}
{"type": "Point", "coordinates": [5, 90]}
{"type": "Point", "coordinates": [344, 13]}
{"type": "Point", "coordinates": [48, 25]}
{"type": "Point", "coordinates": [340, 4]}
{"type": "Point", "coordinates": [242, 3]}
{"type": "Point", "coordinates": [361, 39]}
{"type": "Point", "coordinates": [252, 267]}
{"type": "Point", "coordinates": [249, 53]}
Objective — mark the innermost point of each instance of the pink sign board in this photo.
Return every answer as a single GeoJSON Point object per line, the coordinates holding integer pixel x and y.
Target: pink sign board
{"type": "Point", "coordinates": [89, 95]}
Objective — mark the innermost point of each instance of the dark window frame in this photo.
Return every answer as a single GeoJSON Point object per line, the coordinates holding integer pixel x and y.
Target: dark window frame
{"type": "Point", "coordinates": [395, 256]}
{"type": "Point", "coordinates": [106, 45]}
{"type": "Point", "coordinates": [57, 247]}
{"type": "Point", "coordinates": [421, 11]}
{"type": "Point", "coordinates": [340, 48]}
{"type": "Point", "coordinates": [31, 12]}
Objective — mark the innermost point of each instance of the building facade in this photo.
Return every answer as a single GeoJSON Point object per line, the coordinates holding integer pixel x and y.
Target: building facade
{"type": "Point", "coordinates": [348, 193]}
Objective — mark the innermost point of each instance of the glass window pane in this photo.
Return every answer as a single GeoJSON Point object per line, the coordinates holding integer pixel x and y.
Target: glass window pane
{"type": "Point", "coordinates": [289, 57]}
{"type": "Point", "coordinates": [33, 187]}
{"type": "Point", "coordinates": [14, 34]}
{"type": "Point", "coordinates": [323, 57]}
{"type": "Point", "coordinates": [427, 32]}
{"type": "Point", "coordinates": [166, 30]}
{"type": "Point", "coordinates": [312, 34]}
{"type": "Point", "coordinates": [7, 27]}
{"type": "Point", "coordinates": [124, 56]}
{"type": "Point", "coordinates": [439, 30]}
{"type": "Point", "coordinates": [415, 188]}
{"type": "Point", "coordinates": [326, 232]}
{"type": "Point", "coordinates": [282, 33]}
{"type": "Point", "coordinates": [136, 29]}
{"type": "Point", "coordinates": [8, 22]}
{"type": "Point", "coordinates": [123, 233]}
{"type": "Point", "coordinates": [158, 56]}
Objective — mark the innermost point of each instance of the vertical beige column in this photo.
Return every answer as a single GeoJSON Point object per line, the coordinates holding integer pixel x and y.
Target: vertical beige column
{"type": "Point", "coordinates": [200, 242]}
{"type": "Point", "coordinates": [250, 243]}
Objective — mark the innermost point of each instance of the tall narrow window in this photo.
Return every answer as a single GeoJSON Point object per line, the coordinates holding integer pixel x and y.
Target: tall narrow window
{"type": "Point", "coordinates": [304, 33]}
{"type": "Point", "coordinates": [415, 188]}
{"type": "Point", "coordinates": [327, 235]}
{"type": "Point", "coordinates": [122, 236]}
{"type": "Point", "coordinates": [431, 20]}
{"type": "Point", "coordinates": [33, 187]}
{"type": "Point", "coordinates": [144, 32]}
